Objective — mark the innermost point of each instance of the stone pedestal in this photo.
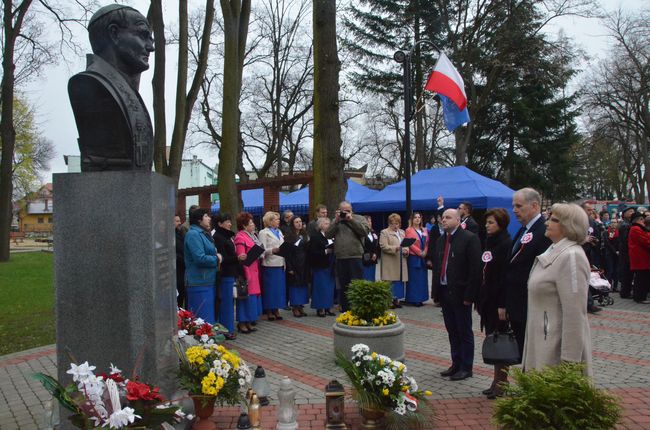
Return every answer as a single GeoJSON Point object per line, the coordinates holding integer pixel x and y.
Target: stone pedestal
{"type": "Point", "coordinates": [387, 340]}
{"type": "Point", "coordinates": [115, 274]}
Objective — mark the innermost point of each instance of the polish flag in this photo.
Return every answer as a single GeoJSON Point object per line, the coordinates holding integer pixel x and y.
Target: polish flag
{"type": "Point", "coordinates": [446, 80]}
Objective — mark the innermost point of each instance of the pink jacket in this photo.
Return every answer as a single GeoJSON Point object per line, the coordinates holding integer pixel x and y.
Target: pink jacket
{"type": "Point", "coordinates": [243, 243]}
{"type": "Point", "coordinates": [416, 248]}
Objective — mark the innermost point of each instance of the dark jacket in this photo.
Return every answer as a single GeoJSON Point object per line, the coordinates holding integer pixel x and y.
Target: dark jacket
{"type": "Point", "coordinates": [223, 240]}
{"type": "Point", "coordinates": [470, 225]}
{"type": "Point", "coordinates": [434, 234]}
{"type": "Point", "coordinates": [497, 251]}
{"type": "Point", "coordinates": [371, 247]}
{"type": "Point", "coordinates": [623, 252]}
{"type": "Point", "coordinates": [592, 249]}
{"type": "Point", "coordinates": [296, 261]}
{"type": "Point", "coordinates": [514, 297]}
{"type": "Point", "coordinates": [316, 256]}
{"type": "Point", "coordinates": [463, 267]}
{"type": "Point", "coordinates": [180, 244]}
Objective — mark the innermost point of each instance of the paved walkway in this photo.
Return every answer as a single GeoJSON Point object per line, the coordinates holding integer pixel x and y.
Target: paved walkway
{"type": "Point", "coordinates": [302, 350]}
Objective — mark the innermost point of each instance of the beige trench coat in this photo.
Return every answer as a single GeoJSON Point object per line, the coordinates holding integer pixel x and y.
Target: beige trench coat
{"type": "Point", "coordinates": [557, 328]}
{"type": "Point", "coordinates": [390, 259]}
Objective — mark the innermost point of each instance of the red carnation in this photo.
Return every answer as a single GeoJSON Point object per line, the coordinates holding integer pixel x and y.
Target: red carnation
{"type": "Point", "coordinates": [117, 377]}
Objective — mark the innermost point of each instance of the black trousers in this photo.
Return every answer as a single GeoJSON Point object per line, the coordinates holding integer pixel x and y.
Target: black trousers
{"type": "Point", "coordinates": [347, 269]}
{"type": "Point", "coordinates": [641, 285]}
{"type": "Point", "coordinates": [519, 329]}
{"type": "Point", "coordinates": [625, 276]}
{"type": "Point", "coordinates": [458, 322]}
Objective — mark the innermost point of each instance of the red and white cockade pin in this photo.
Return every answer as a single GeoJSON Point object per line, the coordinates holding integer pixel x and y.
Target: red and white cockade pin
{"type": "Point", "coordinates": [486, 257]}
{"type": "Point", "coordinates": [527, 238]}
{"type": "Point", "coordinates": [463, 225]}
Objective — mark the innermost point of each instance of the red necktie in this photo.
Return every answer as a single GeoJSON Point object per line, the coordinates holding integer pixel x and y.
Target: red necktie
{"type": "Point", "coordinates": [443, 271]}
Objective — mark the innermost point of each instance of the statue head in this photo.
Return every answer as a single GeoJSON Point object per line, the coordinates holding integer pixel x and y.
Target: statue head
{"type": "Point", "coordinates": [121, 35]}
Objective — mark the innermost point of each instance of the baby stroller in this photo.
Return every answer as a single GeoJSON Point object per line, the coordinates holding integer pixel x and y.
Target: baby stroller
{"type": "Point", "coordinates": [600, 287]}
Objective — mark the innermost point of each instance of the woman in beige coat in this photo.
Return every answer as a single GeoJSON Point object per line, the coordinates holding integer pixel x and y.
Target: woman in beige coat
{"type": "Point", "coordinates": [273, 276]}
{"type": "Point", "coordinates": [557, 328]}
{"type": "Point", "coordinates": [393, 260]}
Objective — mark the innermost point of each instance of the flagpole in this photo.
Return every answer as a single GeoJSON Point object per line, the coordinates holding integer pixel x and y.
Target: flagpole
{"type": "Point", "coordinates": [405, 59]}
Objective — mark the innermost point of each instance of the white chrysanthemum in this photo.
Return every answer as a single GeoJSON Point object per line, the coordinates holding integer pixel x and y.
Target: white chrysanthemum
{"type": "Point", "coordinates": [199, 321]}
{"type": "Point", "coordinates": [242, 382]}
{"type": "Point", "coordinates": [413, 384]}
{"type": "Point", "coordinates": [182, 334]}
{"type": "Point", "coordinates": [204, 338]}
{"type": "Point", "coordinates": [360, 349]}
{"type": "Point", "coordinates": [401, 409]}
{"type": "Point", "coordinates": [387, 376]}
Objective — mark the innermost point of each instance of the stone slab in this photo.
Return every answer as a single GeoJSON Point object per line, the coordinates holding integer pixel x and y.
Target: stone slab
{"type": "Point", "coordinates": [115, 273]}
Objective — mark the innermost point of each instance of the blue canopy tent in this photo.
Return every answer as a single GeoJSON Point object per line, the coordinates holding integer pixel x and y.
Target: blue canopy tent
{"type": "Point", "coordinates": [455, 184]}
{"type": "Point", "coordinates": [253, 202]}
{"type": "Point", "coordinates": [298, 201]}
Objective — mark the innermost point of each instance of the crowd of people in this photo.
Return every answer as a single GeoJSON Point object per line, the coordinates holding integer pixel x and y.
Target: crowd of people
{"type": "Point", "coordinates": [535, 284]}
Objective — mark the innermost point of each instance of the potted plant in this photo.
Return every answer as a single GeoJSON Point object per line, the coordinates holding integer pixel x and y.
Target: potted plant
{"type": "Point", "coordinates": [387, 397]}
{"type": "Point", "coordinates": [369, 321]}
{"type": "Point", "coordinates": [211, 373]}
{"type": "Point", "coordinates": [558, 397]}
{"type": "Point", "coordinates": [109, 400]}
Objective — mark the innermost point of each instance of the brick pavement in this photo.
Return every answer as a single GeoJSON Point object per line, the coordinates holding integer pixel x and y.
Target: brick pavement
{"type": "Point", "coordinates": [302, 350]}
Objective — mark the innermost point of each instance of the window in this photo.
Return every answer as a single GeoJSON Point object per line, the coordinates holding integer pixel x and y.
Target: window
{"type": "Point", "coordinates": [49, 220]}
{"type": "Point", "coordinates": [41, 220]}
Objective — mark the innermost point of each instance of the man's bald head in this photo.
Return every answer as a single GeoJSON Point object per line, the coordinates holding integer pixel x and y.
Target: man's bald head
{"type": "Point", "coordinates": [450, 220]}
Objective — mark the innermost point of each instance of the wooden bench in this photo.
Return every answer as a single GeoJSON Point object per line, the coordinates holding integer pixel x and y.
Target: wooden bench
{"type": "Point", "coordinates": [17, 235]}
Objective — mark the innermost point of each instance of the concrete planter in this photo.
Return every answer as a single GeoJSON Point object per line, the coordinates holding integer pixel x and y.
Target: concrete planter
{"type": "Point", "coordinates": [387, 340]}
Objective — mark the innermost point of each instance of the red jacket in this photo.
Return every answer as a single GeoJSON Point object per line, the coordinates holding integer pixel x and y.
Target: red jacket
{"type": "Point", "coordinates": [638, 243]}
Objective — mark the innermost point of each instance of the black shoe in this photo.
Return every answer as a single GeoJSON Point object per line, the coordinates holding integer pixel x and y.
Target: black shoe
{"type": "Point", "coordinates": [419, 305]}
{"type": "Point", "coordinates": [460, 375]}
{"type": "Point", "coordinates": [594, 309]}
{"type": "Point", "coordinates": [330, 313]}
{"type": "Point", "coordinates": [494, 394]}
{"type": "Point", "coordinates": [488, 391]}
{"type": "Point", "coordinates": [320, 314]}
{"type": "Point", "coordinates": [451, 371]}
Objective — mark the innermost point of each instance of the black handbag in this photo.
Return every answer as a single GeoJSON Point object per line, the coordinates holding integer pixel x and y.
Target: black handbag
{"type": "Point", "coordinates": [242, 288]}
{"type": "Point", "coordinates": [501, 348]}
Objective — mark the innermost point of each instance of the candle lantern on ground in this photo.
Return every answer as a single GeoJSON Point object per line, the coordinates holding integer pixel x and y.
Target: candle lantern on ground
{"type": "Point", "coordinates": [335, 406]}
{"type": "Point", "coordinates": [261, 386]}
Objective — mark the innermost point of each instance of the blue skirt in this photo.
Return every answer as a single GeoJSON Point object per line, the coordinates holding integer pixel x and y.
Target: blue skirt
{"type": "Point", "coordinates": [417, 289]}
{"type": "Point", "coordinates": [249, 309]}
{"type": "Point", "coordinates": [398, 289]}
{"type": "Point", "coordinates": [298, 295]}
{"type": "Point", "coordinates": [274, 294]}
{"type": "Point", "coordinates": [201, 301]}
{"type": "Point", "coordinates": [369, 272]}
{"type": "Point", "coordinates": [322, 291]}
{"type": "Point", "coordinates": [226, 311]}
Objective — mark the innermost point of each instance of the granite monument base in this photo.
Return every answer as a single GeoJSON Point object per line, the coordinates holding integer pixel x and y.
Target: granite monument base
{"type": "Point", "coordinates": [115, 274]}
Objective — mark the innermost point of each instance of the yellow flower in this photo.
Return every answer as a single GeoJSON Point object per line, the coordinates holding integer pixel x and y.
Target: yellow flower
{"type": "Point", "coordinates": [211, 384]}
{"type": "Point", "coordinates": [385, 391]}
{"type": "Point", "coordinates": [374, 355]}
{"type": "Point", "coordinates": [196, 354]}
{"type": "Point", "coordinates": [428, 393]}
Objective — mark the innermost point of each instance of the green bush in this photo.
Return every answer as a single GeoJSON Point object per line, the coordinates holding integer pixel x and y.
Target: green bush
{"type": "Point", "coordinates": [369, 300]}
{"type": "Point", "coordinates": [559, 397]}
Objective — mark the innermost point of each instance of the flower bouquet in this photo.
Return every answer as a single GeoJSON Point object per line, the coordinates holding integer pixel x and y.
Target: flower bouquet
{"type": "Point", "coordinates": [193, 330]}
{"type": "Point", "coordinates": [214, 371]}
{"type": "Point", "coordinates": [110, 401]}
{"type": "Point", "coordinates": [369, 304]}
{"type": "Point", "coordinates": [382, 384]}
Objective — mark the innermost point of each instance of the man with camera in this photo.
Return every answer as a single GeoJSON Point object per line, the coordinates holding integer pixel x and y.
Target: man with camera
{"type": "Point", "coordinates": [348, 231]}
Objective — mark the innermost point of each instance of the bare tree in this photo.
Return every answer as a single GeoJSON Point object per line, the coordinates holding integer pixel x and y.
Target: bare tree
{"type": "Point", "coordinates": [24, 53]}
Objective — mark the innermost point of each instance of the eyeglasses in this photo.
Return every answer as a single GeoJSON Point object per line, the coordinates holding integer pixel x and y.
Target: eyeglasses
{"type": "Point", "coordinates": [555, 220]}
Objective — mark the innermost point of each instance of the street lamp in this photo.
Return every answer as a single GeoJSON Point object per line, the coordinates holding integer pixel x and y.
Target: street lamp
{"type": "Point", "coordinates": [405, 59]}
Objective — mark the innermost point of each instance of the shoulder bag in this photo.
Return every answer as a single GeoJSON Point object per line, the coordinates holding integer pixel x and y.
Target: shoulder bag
{"type": "Point", "coordinates": [501, 348]}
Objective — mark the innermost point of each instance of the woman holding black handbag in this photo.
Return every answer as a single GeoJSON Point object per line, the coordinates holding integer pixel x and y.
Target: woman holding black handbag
{"type": "Point", "coordinates": [495, 262]}
{"type": "Point", "coordinates": [225, 244]}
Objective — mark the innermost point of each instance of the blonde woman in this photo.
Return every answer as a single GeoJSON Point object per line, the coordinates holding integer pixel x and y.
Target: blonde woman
{"type": "Point", "coordinates": [557, 328]}
{"type": "Point", "coordinates": [273, 276]}
{"type": "Point", "coordinates": [393, 261]}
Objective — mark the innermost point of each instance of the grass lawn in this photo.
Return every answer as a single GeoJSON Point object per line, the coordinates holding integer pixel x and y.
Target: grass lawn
{"type": "Point", "coordinates": [27, 305]}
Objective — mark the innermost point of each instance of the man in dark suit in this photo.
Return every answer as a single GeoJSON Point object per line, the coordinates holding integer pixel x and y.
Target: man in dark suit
{"type": "Point", "coordinates": [529, 242]}
{"type": "Point", "coordinates": [466, 221]}
{"type": "Point", "coordinates": [456, 280]}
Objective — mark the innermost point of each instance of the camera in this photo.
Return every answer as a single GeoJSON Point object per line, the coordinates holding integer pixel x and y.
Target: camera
{"type": "Point", "coordinates": [344, 215]}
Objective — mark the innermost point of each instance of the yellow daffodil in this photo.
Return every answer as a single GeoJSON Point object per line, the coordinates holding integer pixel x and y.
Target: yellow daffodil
{"type": "Point", "coordinates": [385, 391]}
{"type": "Point", "coordinates": [428, 393]}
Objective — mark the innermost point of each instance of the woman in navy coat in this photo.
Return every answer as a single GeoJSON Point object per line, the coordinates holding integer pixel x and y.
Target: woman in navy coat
{"type": "Point", "coordinates": [201, 263]}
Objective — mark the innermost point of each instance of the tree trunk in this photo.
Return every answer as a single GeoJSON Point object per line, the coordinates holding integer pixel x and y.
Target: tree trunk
{"type": "Point", "coordinates": [7, 130]}
{"type": "Point", "coordinates": [329, 182]}
{"type": "Point", "coordinates": [462, 136]}
{"type": "Point", "coordinates": [236, 14]}
{"type": "Point", "coordinates": [155, 17]}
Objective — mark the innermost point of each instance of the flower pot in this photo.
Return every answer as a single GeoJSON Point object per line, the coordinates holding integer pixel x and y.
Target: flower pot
{"type": "Point", "coordinates": [387, 340]}
{"type": "Point", "coordinates": [372, 419]}
{"type": "Point", "coordinates": [203, 409]}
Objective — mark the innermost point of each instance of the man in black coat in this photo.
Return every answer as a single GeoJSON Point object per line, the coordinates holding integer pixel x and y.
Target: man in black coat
{"type": "Point", "coordinates": [529, 242]}
{"type": "Point", "coordinates": [466, 221]}
{"type": "Point", "coordinates": [625, 275]}
{"type": "Point", "coordinates": [456, 280]}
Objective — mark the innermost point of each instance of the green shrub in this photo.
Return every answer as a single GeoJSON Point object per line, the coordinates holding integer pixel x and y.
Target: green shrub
{"type": "Point", "coordinates": [559, 397]}
{"type": "Point", "coordinates": [369, 300]}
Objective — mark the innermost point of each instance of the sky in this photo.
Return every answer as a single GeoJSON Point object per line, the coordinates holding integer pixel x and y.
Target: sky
{"type": "Point", "coordinates": [49, 94]}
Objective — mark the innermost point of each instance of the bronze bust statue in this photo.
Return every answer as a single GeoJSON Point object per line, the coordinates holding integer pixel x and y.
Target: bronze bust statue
{"type": "Point", "coordinates": [115, 131]}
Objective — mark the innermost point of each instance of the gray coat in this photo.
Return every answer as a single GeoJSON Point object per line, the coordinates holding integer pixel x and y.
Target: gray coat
{"type": "Point", "coordinates": [557, 327]}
